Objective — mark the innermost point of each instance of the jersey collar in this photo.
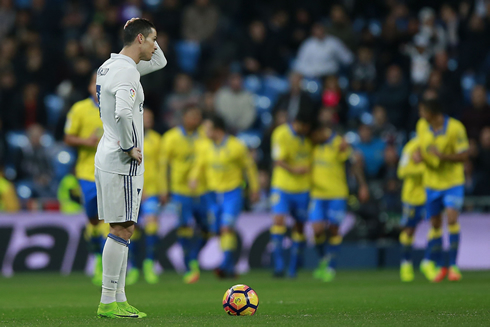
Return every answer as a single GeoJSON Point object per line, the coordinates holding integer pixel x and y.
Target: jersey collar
{"type": "Point", "coordinates": [124, 57]}
{"type": "Point", "coordinates": [225, 139]}
{"type": "Point", "coordinates": [444, 127]}
{"type": "Point", "coordinates": [332, 135]}
{"type": "Point", "coordinates": [184, 132]}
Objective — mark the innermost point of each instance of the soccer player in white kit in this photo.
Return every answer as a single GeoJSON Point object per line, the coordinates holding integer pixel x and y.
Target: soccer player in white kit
{"type": "Point", "coordinates": [119, 162]}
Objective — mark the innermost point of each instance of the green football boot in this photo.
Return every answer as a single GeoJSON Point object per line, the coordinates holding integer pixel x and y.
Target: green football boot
{"type": "Point", "coordinates": [132, 276]}
{"type": "Point", "coordinates": [149, 272]}
{"type": "Point", "coordinates": [97, 278]}
{"type": "Point", "coordinates": [328, 275]}
{"type": "Point", "coordinates": [125, 306]}
{"type": "Point", "coordinates": [406, 272]}
{"type": "Point", "coordinates": [112, 310]}
{"type": "Point", "coordinates": [320, 270]}
{"type": "Point", "coordinates": [428, 268]}
{"type": "Point", "coordinates": [193, 275]}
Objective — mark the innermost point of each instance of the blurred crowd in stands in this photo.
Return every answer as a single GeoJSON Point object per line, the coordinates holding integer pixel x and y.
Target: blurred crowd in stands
{"type": "Point", "coordinates": [358, 65]}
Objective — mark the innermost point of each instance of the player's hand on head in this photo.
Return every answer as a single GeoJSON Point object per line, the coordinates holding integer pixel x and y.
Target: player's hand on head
{"type": "Point", "coordinates": [130, 21]}
{"type": "Point", "coordinates": [135, 153]}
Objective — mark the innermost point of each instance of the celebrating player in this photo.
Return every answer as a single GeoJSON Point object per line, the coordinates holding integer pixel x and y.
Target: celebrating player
{"type": "Point", "coordinates": [149, 206]}
{"type": "Point", "coordinates": [291, 152]}
{"type": "Point", "coordinates": [329, 194]}
{"type": "Point", "coordinates": [444, 148]}
{"type": "Point", "coordinates": [119, 164]}
{"type": "Point", "coordinates": [411, 170]}
{"type": "Point", "coordinates": [223, 160]}
{"type": "Point", "coordinates": [179, 146]}
{"type": "Point", "coordinates": [83, 130]}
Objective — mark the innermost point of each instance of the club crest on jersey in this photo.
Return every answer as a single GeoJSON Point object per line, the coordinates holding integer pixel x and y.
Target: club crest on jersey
{"type": "Point", "coordinates": [132, 94]}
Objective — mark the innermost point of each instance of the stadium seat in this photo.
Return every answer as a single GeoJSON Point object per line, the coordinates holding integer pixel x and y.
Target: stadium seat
{"type": "Point", "coordinates": [188, 54]}
{"type": "Point", "coordinates": [358, 104]}
{"type": "Point", "coordinates": [17, 140]}
{"type": "Point", "coordinates": [273, 86]}
{"type": "Point", "coordinates": [54, 106]}
{"type": "Point", "coordinates": [63, 162]}
{"type": "Point", "coordinates": [252, 138]}
{"type": "Point", "coordinates": [252, 83]}
{"type": "Point", "coordinates": [263, 103]}
{"type": "Point", "coordinates": [313, 86]}
{"type": "Point", "coordinates": [468, 81]}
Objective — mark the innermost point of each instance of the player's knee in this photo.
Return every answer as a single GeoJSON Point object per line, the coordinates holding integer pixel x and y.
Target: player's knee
{"type": "Point", "coordinates": [279, 220]}
{"type": "Point", "coordinates": [334, 230]}
{"type": "Point", "coordinates": [226, 229]}
{"type": "Point", "coordinates": [94, 220]}
{"type": "Point", "coordinates": [318, 228]}
{"type": "Point", "coordinates": [452, 216]}
{"type": "Point", "coordinates": [409, 231]}
{"type": "Point", "coordinates": [299, 227]}
{"type": "Point", "coordinates": [123, 230]}
{"type": "Point", "coordinates": [436, 221]}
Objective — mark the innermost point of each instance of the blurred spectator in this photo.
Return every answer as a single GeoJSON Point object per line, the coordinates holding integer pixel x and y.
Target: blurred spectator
{"type": "Point", "coordinates": [263, 204]}
{"type": "Point", "coordinates": [301, 26]}
{"type": "Point", "coordinates": [8, 197]}
{"type": "Point", "coordinates": [168, 18]}
{"type": "Point", "coordinates": [420, 55]}
{"type": "Point", "coordinates": [7, 17]}
{"type": "Point", "coordinates": [33, 165]}
{"type": "Point", "coordinates": [295, 100]}
{"type": "Point", "coordinates": [451, 25]}
{"type": "Point", "coordinates": [432, 32]}
{"type": "Point", "coordinates": [392, 185]}
{"type": "Point", "coordinates": [450, 84]}
{"type": "Point", "coordinates": [94, 34]}
{"type": "Point", "coordinates": [322, 54]}
{"type": "Point", "coordinates": [208, 104]}
{"type": "Point", "coordinates": [363, 71]}
{"type": "Point", "coordinates": [200, 21]}
{"type": "Point", "coordinates": [372, 150]}
{"type": "Point", "coordinates": [475, 43]}
{"type": "Point", "coordinates": [28, 109]}
{"type": "Point", "coordinates": [261, 53]}
{"type": "Point", "coordinates": [8, 96]}
{"type": "Point", "coordinates": [477, 115]}
{"type": "Point", "coordinates": [184, 94]}
{"type": "Point", "coordinates": [333, 98]}
{"type": "Point", "coordinates": [482, 164]}
{"type": "Point", "coordinates": [393, 96]}
{"type": "Point", "coordinates": [236, 105]}
{"type": "Point", "coordinates": [341, 27]}
{"type": "Point", "coordinates": [382, 128]}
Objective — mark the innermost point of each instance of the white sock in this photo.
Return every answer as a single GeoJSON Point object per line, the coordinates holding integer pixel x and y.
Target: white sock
{"type": "Point", "coordinates": [120, 294]}
{"type": "Point", "coordinates": [112, 259]}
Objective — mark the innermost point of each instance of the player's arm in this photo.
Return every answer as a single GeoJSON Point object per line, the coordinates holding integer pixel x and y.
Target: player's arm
{"type": "Point", "coordinates": [357, 171]}
{"type": "Point", "coordinates": [280, 155]}
{"type": "Point", "coordinates": [198, 168]}
{"type": "Point", "coordinates": [158, 61]}
{"type": "Point", "coordinates": [72, 130]}
{"type": "Point", "coordinates": [408, 167]}
{"type": "Point", "coordinates": [461, 146]}
{"type": "Point", "coordinates": [251, 174]}
{"type": "Point", "coordinates": [125, 93]}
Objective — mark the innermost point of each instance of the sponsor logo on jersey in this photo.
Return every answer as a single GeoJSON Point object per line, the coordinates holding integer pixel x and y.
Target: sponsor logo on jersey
{"type": "Point", "coordinates": [102, 71]}
{"type": "Point", "coordinates": [132, 94]}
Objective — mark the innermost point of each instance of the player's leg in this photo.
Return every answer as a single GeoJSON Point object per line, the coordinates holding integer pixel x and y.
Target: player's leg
{"type": "Point", "coordinates": [92, 235]}
{"type": "Point", "coordinates": [134, 248]}
{"type": "Point", "coordinates": [317, 217]}
{"type": "Point", "coordinates": [336, 211]}
{"type": "Point", "coordinates": [150, 213]}
{"type": "Point", "coordinates": [300, 214]}
{"type": "Point", "coordinates": [280, 208]}
{"type": "Point", "coordinates": [184, 231]}
{"type": "Point", "coordinates": [453, 201]}
{"type": "Point", "coordinates": [412, 215]}
{"type": "Point", "coordinates": [433, 252]}
{"type": "Point", "coordinates": [232, 207]}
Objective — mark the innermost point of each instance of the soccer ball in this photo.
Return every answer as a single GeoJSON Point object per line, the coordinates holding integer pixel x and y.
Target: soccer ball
{"type": "Point", "coordinates": [240, 300]}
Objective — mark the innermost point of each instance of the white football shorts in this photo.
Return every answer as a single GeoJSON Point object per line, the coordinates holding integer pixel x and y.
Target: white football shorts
{"type": "Point", "coordinates": [118, 196]}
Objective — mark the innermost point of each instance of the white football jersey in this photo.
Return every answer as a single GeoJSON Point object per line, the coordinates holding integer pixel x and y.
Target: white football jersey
{"type": "Point", "coordinates": [121, 99]}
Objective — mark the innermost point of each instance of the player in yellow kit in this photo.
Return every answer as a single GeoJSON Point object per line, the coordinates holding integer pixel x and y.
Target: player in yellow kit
{"type": "Point", "coordinates": [411, 170]}
{"type": "Point", "coordinates": [329, 192]}
{"type": "Point", "coordinates": [291, 152]}
{"type": "Point", "coordinates": [83, 130]}
{"type": "Point", "coordinates": [444, 148]}
{"type": "Point", "coordinates": [223, 160]}
{"type": "Point", "coordinates": [149, 205]}
{"type": "Point", "coordinates": [178, 151]}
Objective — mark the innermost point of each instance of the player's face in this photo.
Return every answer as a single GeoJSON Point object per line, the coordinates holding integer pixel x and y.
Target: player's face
{"type": "Point", "coordinates": [92, 88]}
{"type": "Point", "coordinates": [302, 128]}
{"type": "Point", "coordinates": [423, 113]}
{"type": "Point", "coordinates": [148, 46]}
{"type": "Point", "coordinates": [192, 119]}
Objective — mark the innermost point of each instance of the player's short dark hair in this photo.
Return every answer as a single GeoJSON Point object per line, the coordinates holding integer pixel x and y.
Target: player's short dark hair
{"type": "Point", "coordinates": [136, 27]}
{"type": "Point", "coordinates": [218, 122]}
{"type": "Point", "coordinates": [303, 116]}
{"type": "Point", "coordinates": [432, 105]}
{"type": "Point", "coordinates": [190, 107]}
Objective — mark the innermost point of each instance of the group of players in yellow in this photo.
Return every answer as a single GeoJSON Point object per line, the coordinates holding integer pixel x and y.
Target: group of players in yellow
{"type": "Point", "coordinates": [203, 171]}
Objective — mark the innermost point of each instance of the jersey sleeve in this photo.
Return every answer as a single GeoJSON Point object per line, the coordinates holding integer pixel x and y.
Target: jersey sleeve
{"type": "Point", "coordinates": [460, 139]}
{"type": "Point", "coordinates": [125, 92]}
{"type": "Point", "coordinates": [406, 166]}
{"type": "Point", "coordinates": [73, 123]}
{"type": "Point", "coordinates": [279, 146]}
{"type": "Point", "coordinates": [158, 61]}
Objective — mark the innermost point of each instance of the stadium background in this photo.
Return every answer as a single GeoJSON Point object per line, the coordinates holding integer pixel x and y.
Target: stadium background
{"type": "Point", "coordinates": [394, 52]}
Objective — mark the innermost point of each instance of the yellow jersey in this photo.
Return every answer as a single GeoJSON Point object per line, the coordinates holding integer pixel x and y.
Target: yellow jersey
{"type": "Point", "coordinates": [295, 150]}
{"type": "Point", "coordinates": [151, 150]}
{"type": "Point", "coordinates": [328, 175]}
{"type": "Point", "coordinates": [452, 139]}
{"type": "Point", "coordinates": [83, 120]}
{"type": "Point", "coordinates": [224, 165]}
{"type": "Point", "coordinates": [412, 174]}
{"type": "Point", "coordinates": [178, 152]}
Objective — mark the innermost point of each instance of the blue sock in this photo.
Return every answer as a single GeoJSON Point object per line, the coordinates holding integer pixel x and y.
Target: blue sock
{"type": "Point", "coordinates": [454, 231]}
{"type": "Point", "coordinates": [101, 240]}
{"type": "Point", "coordinates": [133, 249]}
{"type": "Point", "coordinates": [434, 247]}
{"type": "Point", "coordinates": [320, 244]}
{"type": "Point", "coordinates": [277, 238]}
{"type": "Point", "coordinates": [199, 245]}
{"type": "Point", "coordinates": [184, 238]}
{"type": "Point", "coordinates": [406, 242]}
{"type": "Point", "coordinates": [333, 251]}
{"type": "Point", "coordinates": [296, 255]}
{"type": "Point", "coordinates": [150, 243]}
{"type": "Point", "coordinates": [227, 264]}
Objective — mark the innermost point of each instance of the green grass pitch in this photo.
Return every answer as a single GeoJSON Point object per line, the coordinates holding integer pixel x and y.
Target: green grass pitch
{"type": "Point", "coordinates": [355, 298]}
